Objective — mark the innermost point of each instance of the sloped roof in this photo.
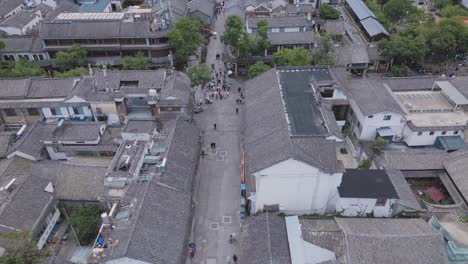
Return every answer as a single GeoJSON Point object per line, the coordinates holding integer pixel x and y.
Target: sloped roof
{"type": "Point", "coordinates": [335, 27]}
{"type": "Point", "coordinates": [22, 44]}
{"type": "Point", "coordinates": [279, 21]}
{"type": "Point", "coordinates": [36, 87]}
{"type": "Point", "coordinates": [456, 166]}
{"type": "Point", "coordinates": [264, 240]}
{"type": "Point", "coordinates": [290, 38]}
{"type": "Point", "coordinates": [6, 6]}
{"type": "Point", "coordinates": [358, 183]}
{"type": "Point", "coordinates": [373, 27]}
{"type": "Point", "coordinates": [407, 197]}
{"type": "Point", "coordinates": [392, 241]}
{"type": "Point", "coordinates": [415, 159]}
{"type": "Point", "coordinates": [360, 9]}
{"type": "Point", "coordinates": [372, 96]}
{"type": "Point", "coordinates": [19, 20]}
{"type": "Point", "coordinates": [345, 55]}
{"type": "Point", "coordinates": [266, 122]}
{"type": "Point", "coordinates": [204, 6]}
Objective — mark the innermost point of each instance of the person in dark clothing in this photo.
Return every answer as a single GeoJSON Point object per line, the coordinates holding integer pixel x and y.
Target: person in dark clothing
{"type": "Point", "coordinates": [234, 258]}
{"type": "Point", "coordinates": [237, 110]}
{"type": "Point", "coordinates": [214, 126]}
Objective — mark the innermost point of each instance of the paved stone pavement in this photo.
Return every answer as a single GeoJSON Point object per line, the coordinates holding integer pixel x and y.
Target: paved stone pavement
{"type": "Point", "coordinates": [217, 184]}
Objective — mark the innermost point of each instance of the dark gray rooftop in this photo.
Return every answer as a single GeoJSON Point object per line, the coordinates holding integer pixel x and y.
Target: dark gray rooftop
{"type": "Point", "coordinates": [415, 159]}
{"type": "Point", "coordinates": [289, 38]}
{"type": "Point", "coordinates": [6, 6]}
{"type": "Point", "coordinates": [346, 55]}
{"type": "Point", "coordinates": [266, 122]}
{"type": "Point", "coordinates": [264, 239]}
{"type": "Point", "coordinates": [140, 126]}
{"type": "Point", "coordinates": [405, 194]}
{"type": "Point", "coordinates": [456, 166]}
{"type": "Point", "coordinates": [20, 19]}
{"type": "Point", "coordinates": [373, 27]}
{"type": "Point", "coordinates": [279, 21]}
{"type": "Point", "coordinates": [360, 9]}
{"type": "Point", "coordinates": [303, 112]}
{"type": "Point", "coordinates": [367, 184]}
{"type": "Point", "coordinates": [204, 6]}
{"type": "Point", "coordinates": [22, 44]}
{"type": "Point", "coordinates": [335, 27]}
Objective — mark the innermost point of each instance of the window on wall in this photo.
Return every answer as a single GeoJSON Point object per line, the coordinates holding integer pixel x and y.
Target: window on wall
{"type": "Point", "coordinates": [431, 133]}
{"type": "Point", "coordinates": [455, 132]}
{"type": "Point", "coordinates": [420, 133]}
{"type": "Point", "coordinates": [55, 111]}
{"type": "Point", "coordinates": [33, 112]}
{"type": "Point", "coordinates": [77, 110]}
{"type": "Point", "coordinates": [8, 58]}
{"type": "Point", "coordinates": [370, 116]}
{"type": "Point", "coordinates": [387, 117]}
{"type": "Point", "coordinates": [10, 112]}
{"type": "Point", "coordinates": [26, 57]}
{"type": "Point", "coordinates": [444, 132]}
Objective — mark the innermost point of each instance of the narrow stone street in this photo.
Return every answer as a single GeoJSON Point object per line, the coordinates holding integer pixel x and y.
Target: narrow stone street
{"type": "Point", "coordinates": [217, 185]}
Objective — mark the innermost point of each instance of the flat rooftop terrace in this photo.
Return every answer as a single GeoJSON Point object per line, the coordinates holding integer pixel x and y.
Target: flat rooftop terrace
{"type": "Point", "coordinates": [424, 101]}
{"type": "Point", "coordinates": [304, 115]}
{"type": "Point", "coordinates": [444, 119]}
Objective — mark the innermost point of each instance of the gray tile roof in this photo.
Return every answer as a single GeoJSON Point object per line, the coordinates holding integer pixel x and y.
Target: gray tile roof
{"type": "Point", "coordinates": [334, 27]}
{"type": "Point", "coordinates": [415, 159]}
{"type": "Point", "coordinates": [279, 21]}
{"type": "Point", "coordinates": [22, 44]}
{"type": "Point", "coordinates": [407, 197]}
{"type": "Point", "coordinates": [325, 234]}
{"type": "Point", "coordinates": [461, 83]}
{"type": "Point", "coordinates": [373, 27]}
{"type": "Point", "coordinates": [456, 166]}
{"type": "Point", "coordinates": [266, 122]}
{"type": "Point", "coordinates": [304, 8]}
{"type": "Point", "coordinates": [204, 6]}
{"type": "Point", "coordinates": [392, 241]}
{"type": "Point", "coordinates": [6, 6]}
{"type": "Point", "coordinates": [31, 142]}
{"type": "Point", "coordinates": [346, 55]}
{"type": "Point", "coordinates": [290, 38]}
{"type": "Point", "coordinates": [63, 6]}
{"type": "Point", "coordinates": [264, 239]}
{"type": "Point", "coordinates": [80, 182]}
{"type": "Point", "coordinates": [372, 96]}
{"type": "Point", "coordinates": [19, 20]}
{"type": "Point", "coordinates": [96, 29]}
{"type": "Point", "coordinates": [27, 204]}
{"type": "Point", "coordinates": [36, 87]}
{"type": "Point", "coordinates": [360, 9]}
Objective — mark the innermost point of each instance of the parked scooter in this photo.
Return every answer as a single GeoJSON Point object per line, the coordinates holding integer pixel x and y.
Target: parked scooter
{"type": "Point", "coordinates": [208, 101]}
{"type": "Point", "coordinates": [197, 110]}
{"type": "Point", "coordinates": [192, 249]}
{"type": "Point", "coordinates": [240, 100]}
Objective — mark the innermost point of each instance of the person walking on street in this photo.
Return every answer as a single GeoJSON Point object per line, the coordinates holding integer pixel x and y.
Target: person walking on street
{"type": "Point", "coordinates": [214, 126]}
{"type": "Point", "coordinates": [237, 110]}
{"type": "Point", "coordinates": [234, 258]}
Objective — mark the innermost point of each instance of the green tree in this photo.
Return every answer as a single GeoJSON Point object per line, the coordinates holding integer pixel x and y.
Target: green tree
{"type": "Point", "coordinates": [404, 49]}
{"type": "Point", "coordinates": [72, 73]}
{"type": "Point", "coordinates": [234, 31]}
{"type": "Point", "coordinates": [325, 55]}
{"type": "Point", "coordinates": [199, 74]}
{"type": "Point", "coordinates": [263, 42]}
{"type": "Point", "coordinates": [458, 30]}
{"type": "Point", "coordinates": [379, 144]}
{"type": "Point", "coordinates": [71, 58]}
{"type": "Point", "coordinates": [85, 222]}
{"type": "Point", "coordinates": [397, 10]}
{"type": "Point", "coordinates": [21, 249]}
{"type": "Point", "coordinates": [138, 62]}
{"type": "Point", "coordinates": [329, 12]}
{"type": "Point", "coordinates": [23, 68]}
{"type": "Point", "coordinates": [453, 10]}
{"type": "Point", "coordinates": [257, 69]}
{"type": "Point", "coordinates": [246, 45]}
{"type": "Point", "coordinates": [398, 71]}
{"type": "Point", "coordinates": [442, 3]}
{"type": "Point", "coordinates": [443, 44]}
{"type": "Point", "coordinates": [2, 44]}
{"type": "Point", "coordinates": [185, 37]}
{"type": "Point", "coordinates": [365, 164]}
{"type": "Point", "coordinates": [293, 57]}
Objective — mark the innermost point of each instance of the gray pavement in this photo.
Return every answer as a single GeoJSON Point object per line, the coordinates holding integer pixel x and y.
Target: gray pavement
{"type": "Point", "coordinates": [217, 184]}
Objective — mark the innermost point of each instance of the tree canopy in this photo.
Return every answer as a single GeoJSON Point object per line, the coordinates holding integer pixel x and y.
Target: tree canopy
{"type": "Point", "coordinates": [185, 37]}
{"type": "Point", "coordinates": [397, 10]}
{"type": "Point", "coordinates": [85, 222]}
{"type": "Point", "coordinates": [246, 44]}
{"type": "Point", "coordinates": [199, 74]}
{"type": "Point", "coordinates": [404, 49]}
{"type": "Point", "coordinates": [22, 68]}
{"type": "Point", "coordinates": [71, 58]}
{"type": "Point", "coordinates": [328, 12]}
{"type": "Point", "coordinates": [325, 54]}
{"type": "Point", "coordinates": [2, 44]}
{"type": "Point", "coordinates": [453, 10]}
{"type": "Point", "coordinates": [293, 57]}
{"type": "Point", "coordinates": [263, 42]}
{"type": "Point", "coordinates": [21, 249]}
{"type": "Point", "coordinates": [234, 31]}
{"type": "Point", "coordinates": [257, 69]}
{"type": "Point", "coordinates": [138, 62]}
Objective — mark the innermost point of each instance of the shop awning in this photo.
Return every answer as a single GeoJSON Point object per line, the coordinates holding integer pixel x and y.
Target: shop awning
{"type": "Point", "coordinates": [449, 143]}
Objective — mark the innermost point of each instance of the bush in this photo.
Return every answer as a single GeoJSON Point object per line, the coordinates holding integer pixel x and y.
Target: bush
{"type": "Point", "coordinates": [72, 73]}
{"type": "Point", "coordinates": [379, 144]}
{"type": "Point", "coordinates": [399, 71]}
{"type": "Point", "coordinates": [257, 69]}
{"type": "Point", "coordinates": [329, 12]}
{"type": "Point", "coordinates": [343, 151]}
{"type": "Point", "coordinates": [71, 58]}
{"type": "Point", "coordinates": [365, 164]}
{"type": "Point", "coordinates": [85, 222]}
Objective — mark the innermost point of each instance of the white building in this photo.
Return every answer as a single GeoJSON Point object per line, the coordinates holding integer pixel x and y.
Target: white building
{"type": "Point", "coordinates": [366, 192]}
{"type": "Point", "coordinates": [290, 145]}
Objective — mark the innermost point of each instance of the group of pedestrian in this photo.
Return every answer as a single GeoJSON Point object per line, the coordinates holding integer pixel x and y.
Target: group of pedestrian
{"type": "Point", "coordinates": [220, 8]}
{"type": "Point", "coordinates": [234, 258]}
